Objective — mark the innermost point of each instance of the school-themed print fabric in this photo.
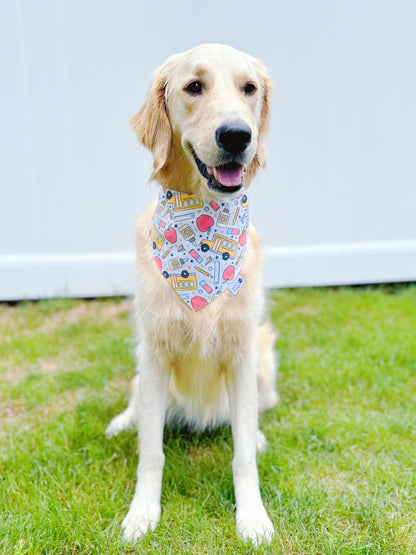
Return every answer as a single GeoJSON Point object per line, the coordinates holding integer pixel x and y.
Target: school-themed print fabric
{"type": "Point", "coordinates": [199, 246]}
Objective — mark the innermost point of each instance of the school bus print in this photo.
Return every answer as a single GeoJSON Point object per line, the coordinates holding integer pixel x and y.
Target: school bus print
{"type": "Point", "coordinates": [182, 201]}
{"type": "Point", "coordinates": [157, 238]}
{"type": "Point", "coordinates": [176, 263]}
{"type": "Point", "coordinates": [223, 245]}
{"type": "Point", "coordinates": [182, 283]}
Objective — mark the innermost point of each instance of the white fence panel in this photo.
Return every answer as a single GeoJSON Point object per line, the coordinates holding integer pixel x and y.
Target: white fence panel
{"type": "Point", "coordinates": [341, 166]}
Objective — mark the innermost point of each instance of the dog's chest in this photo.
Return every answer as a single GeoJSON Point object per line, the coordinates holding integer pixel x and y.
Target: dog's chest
{"type": "Point", "coordinates": [196, 375]}
{"type": "Point", "coordinates": [197, 382]}
{"type": "Point", "coordinates": [212, 335]}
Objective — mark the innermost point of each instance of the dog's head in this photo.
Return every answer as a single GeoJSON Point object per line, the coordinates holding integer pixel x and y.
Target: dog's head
{"type": "Point", "coordinates": [204, 119]}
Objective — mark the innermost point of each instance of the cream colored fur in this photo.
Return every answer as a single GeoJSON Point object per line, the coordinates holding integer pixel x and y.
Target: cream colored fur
{"type": "Point", "coordinates": [215, 365]}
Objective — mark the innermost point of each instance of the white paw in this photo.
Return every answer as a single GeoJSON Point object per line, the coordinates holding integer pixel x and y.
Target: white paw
{"type": "Point", "coordinates": [261, 442]}
{"type": "Point", "coordinates": [255, 526]}
{"type": "Point", "coordinates": [139, 520]}
{"type": "Point", "coordinates": [121, 422]}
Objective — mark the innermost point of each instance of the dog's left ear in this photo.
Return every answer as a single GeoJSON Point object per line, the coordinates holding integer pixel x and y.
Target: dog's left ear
{"type": "Point", "coordinates": [151, 123]}
{"type": "Point", "coordinates": [267, 87]}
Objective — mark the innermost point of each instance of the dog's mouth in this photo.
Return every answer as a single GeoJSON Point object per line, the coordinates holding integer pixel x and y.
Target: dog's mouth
{"type": "Point", "coordinates": [227, 178]}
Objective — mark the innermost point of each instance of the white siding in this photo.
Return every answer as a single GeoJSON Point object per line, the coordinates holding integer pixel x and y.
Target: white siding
{"type": "Point", "coordinates": [341, 167]}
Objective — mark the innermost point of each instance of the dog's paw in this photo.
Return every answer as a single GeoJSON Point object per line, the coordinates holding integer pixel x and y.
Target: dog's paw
{"type": "Point", "coordinates": [138, 521]}
{"type": "Point", "coordinates": [261, 442]}
{"type": "Point", "coordinates": [114, 428]}
{"type": "Point", "coordinates": [118, 424]}
{"type": "Point", "coordinates": [255, 526]}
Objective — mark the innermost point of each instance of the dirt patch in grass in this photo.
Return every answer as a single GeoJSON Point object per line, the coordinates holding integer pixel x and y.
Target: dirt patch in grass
{"type": "Point", "coordinates": [307, 310]}
{"type": "Point", "coordinates": [10, 412]}
{"type": "Point", "coordinates": [69, 316]}
{"type": "Point", "coordinates": [50, 365]}
{"type": "Point", "coordinates": [16, 374]}
{"type": "Point", "coordinates": [87, 310]}
{"type": "Point", "coordinates": [65, 402]}
{"type": "Point", "coordinates": [11, 321]}
{"type": "Point", "coordinates": [109, 311]}
{"type": "Point", "coordinates": [13, 412]}
{"type": "Point", "coordinates": [7, 314]}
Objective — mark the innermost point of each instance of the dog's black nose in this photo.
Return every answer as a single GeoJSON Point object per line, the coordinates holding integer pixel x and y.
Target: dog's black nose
{"type": "Point", "coordinates": [234, 137]}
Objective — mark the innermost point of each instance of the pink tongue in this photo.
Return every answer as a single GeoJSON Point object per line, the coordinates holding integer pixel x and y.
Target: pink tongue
{"type": "Point", "coordinates": [229, 178]}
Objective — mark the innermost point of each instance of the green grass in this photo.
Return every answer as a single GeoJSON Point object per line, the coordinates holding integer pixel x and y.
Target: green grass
{"type": "Point", "coordinates": [338, 477]}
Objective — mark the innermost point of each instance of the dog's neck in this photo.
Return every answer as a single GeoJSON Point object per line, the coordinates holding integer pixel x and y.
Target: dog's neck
{"type": "Point", "coordinates": [199, 245]}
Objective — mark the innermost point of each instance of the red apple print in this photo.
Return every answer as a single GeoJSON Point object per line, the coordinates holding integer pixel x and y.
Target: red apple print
{"type": "Point", "coordinates": [228, 273]}
{"type": "Point", "coordinates": [198, 302]}
{"type": "Point", "coordinates": [243, 238]}
{"type": "Point", "coordinates": [158, 262]}
{"type": "Point", "coordinates": [170, 235]}
{"type": "Point", "coordinates": [204, 222]}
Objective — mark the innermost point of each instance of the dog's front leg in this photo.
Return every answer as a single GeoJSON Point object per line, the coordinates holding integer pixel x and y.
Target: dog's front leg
{"type": "Point", "coordinates": [252, 520]}
{"type": "Point", "coordinates": [144, 512]}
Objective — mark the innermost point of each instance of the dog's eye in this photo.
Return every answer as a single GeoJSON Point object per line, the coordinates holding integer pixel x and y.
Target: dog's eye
{"type": "Point", "coordinates": [249, 88]}
{"type": "Point", "coordinates": [194, 88]}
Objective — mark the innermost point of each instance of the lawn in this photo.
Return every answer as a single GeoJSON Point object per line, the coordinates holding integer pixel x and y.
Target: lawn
{"type": "Point", "coordinates": [338, 477]}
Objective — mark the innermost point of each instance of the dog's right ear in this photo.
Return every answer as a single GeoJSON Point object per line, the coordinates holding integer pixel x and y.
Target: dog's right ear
{"type": "Point", "coordinates": [151, 123]}
{"type": "Point", "coordinates": [259, 160]}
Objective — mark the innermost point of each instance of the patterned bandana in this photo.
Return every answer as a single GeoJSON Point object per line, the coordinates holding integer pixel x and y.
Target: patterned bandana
{"type": "Point", "coordinates": [199, 246]}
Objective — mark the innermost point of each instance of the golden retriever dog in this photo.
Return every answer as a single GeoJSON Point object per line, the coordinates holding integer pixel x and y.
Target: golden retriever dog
{"type": "Point", "coordinates": [205, 355]}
